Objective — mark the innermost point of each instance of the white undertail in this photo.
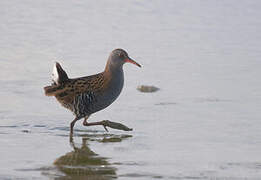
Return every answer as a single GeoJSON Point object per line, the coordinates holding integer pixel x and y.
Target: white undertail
{"type": "Point", "coordinates": [55, 75]}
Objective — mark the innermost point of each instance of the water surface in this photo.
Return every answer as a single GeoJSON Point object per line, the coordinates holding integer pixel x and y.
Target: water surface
{"type": "Point", "coordinates": [203, 123]}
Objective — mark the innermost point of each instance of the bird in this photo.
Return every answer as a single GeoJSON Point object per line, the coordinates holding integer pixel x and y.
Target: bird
{"type": "Point", "coordinates": [86, 95]}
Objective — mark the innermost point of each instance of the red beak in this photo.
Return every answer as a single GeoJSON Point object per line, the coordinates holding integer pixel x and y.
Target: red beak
{"type": "Point", "coordinates": [129, 60]}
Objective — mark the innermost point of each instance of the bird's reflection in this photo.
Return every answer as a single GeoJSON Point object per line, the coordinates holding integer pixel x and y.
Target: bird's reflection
{"type": "Point", "coordinates": [83, 163]}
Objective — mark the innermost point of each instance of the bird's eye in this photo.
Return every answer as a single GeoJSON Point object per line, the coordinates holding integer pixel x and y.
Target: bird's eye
{"type": "Point", "coordinates": [121, 55]}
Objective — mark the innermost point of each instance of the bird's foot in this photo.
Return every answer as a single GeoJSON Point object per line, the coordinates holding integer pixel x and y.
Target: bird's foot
{"type": "Point", "coordinates": [107, 123]}
{"type": "Point", "coordinates": [115, 125]}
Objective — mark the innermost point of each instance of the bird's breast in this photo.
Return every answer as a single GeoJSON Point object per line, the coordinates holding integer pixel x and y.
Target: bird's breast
{"type": "Point", "coordinates": [110, 93]}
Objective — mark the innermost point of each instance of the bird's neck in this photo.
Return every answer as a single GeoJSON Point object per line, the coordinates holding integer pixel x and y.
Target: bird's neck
{"type": "Point", "coordinates": [113, 71]}
{"type": "Point", "coordinates": [115, 79]}
{"type": "Point", "coordinates": [114, 76]}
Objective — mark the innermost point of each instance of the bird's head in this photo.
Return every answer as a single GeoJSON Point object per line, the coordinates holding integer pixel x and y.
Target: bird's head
{"type": "Point", "coordinates": [118, 57]}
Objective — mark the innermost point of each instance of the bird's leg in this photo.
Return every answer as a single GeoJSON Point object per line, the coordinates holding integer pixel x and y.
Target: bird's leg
{"type": "Point", "coordinates": [85, 123]}
{"type": "Point", "coordinates": [106, 123]}
{"type": "Point", "coordinates": [72, 124]}
{"type": "Point", "coordinates": [85, 120]}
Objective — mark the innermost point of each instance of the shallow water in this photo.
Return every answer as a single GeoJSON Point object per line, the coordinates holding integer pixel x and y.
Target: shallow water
{"type": "Point", "coordinates": [203, 123]}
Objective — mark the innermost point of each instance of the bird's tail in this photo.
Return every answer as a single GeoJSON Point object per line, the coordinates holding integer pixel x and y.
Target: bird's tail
{"type": "Point", "coordinates": [59, 77]}
{"type": "Point", "coordinates": [53, 90]}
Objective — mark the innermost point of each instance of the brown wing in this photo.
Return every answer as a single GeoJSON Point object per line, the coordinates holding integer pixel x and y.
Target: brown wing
{"type": "Point", "coordinates": [75, 87]}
